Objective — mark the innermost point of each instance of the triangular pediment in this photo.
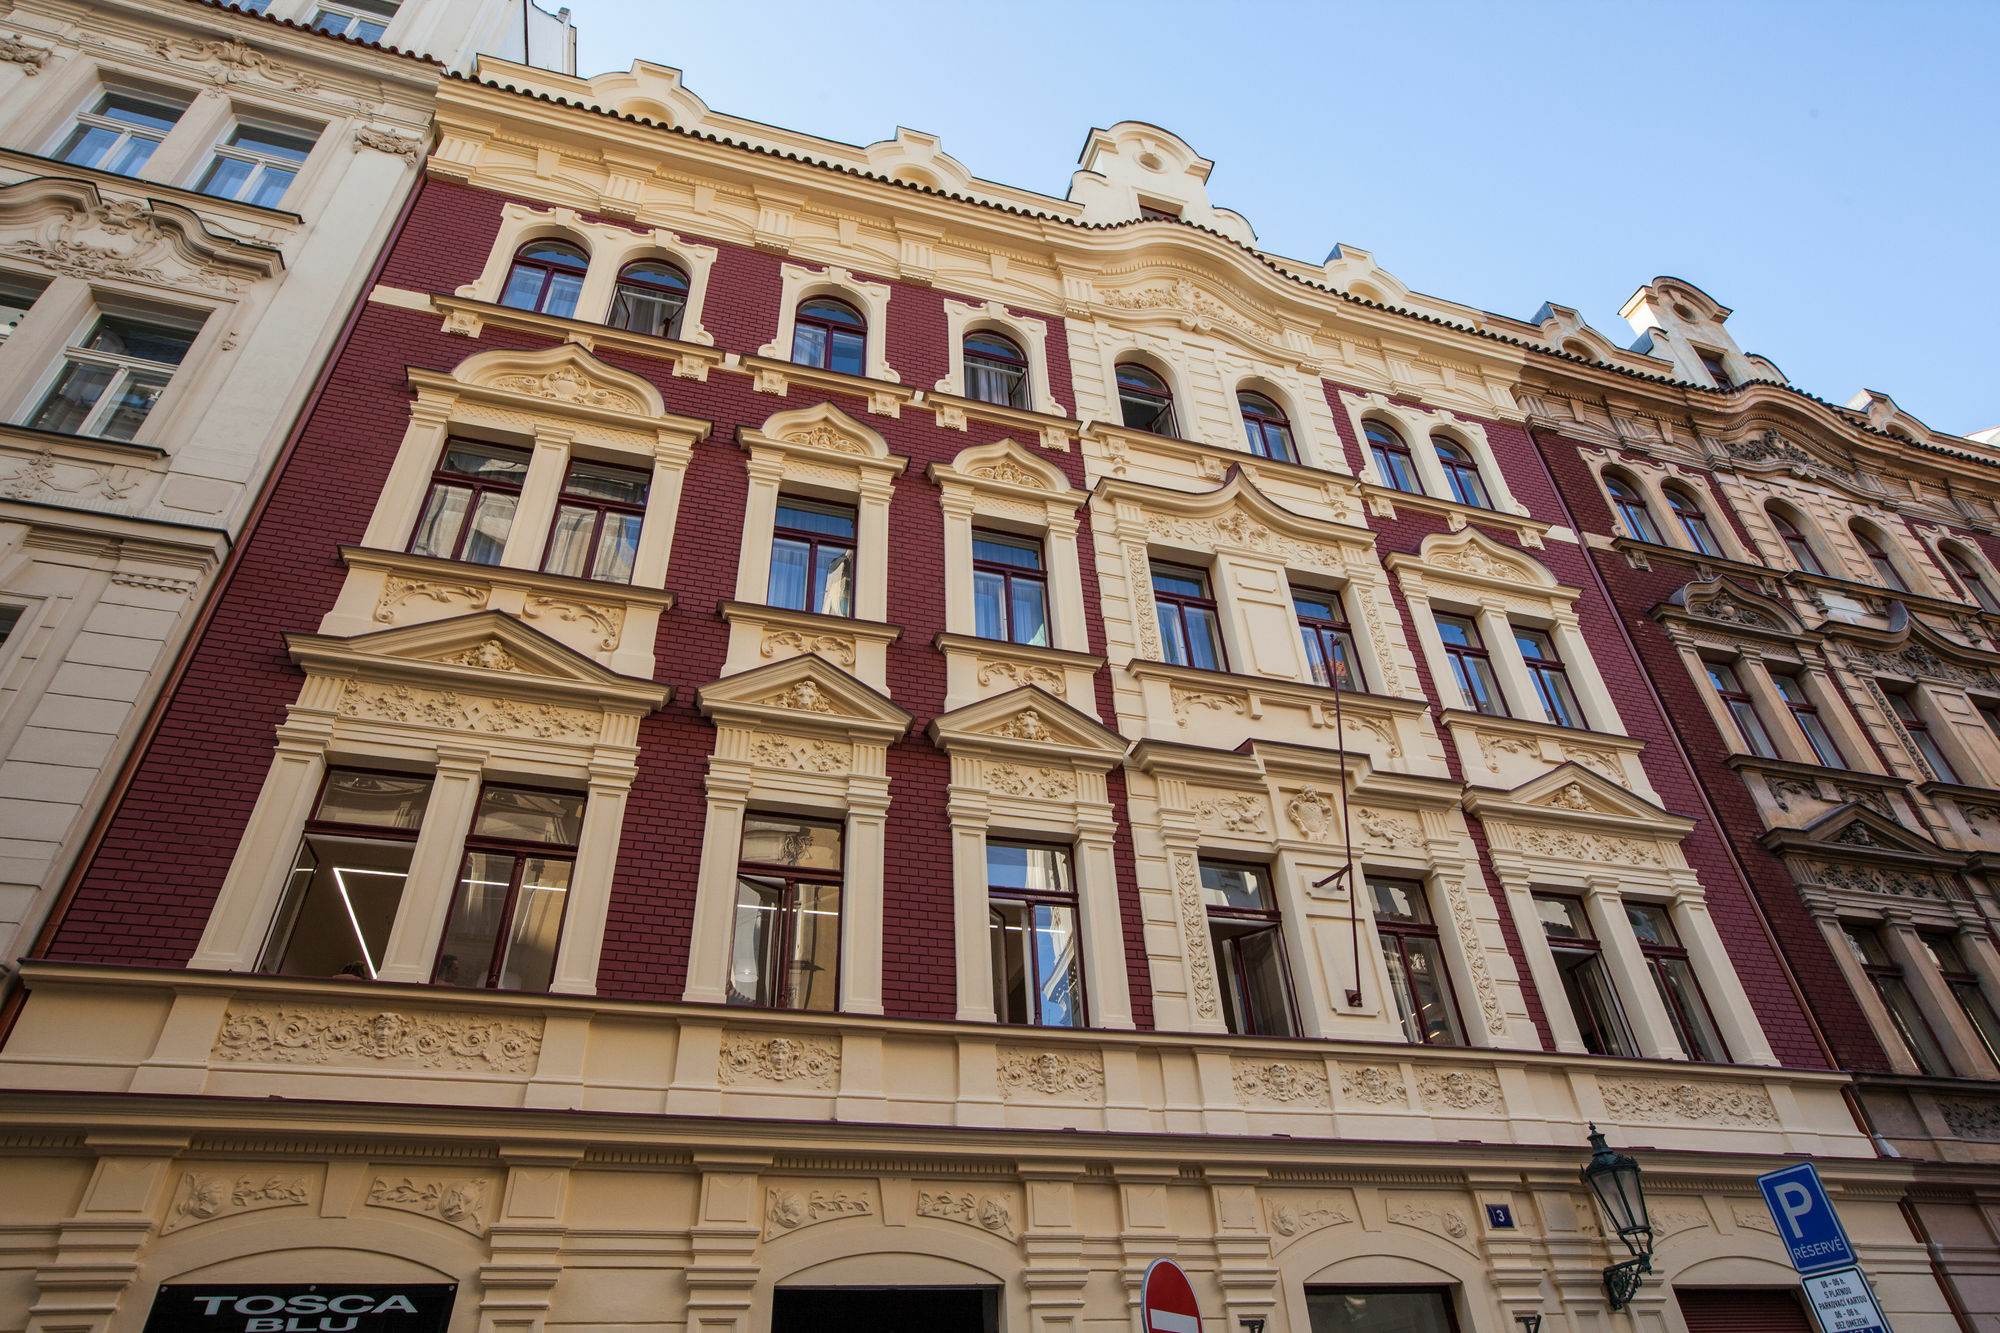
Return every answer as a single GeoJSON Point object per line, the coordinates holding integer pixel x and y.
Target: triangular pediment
{"type": "Point", "coordinates": [566, 375]}
{"type": "Point", "coordinates": [1571, 793]}
{"type": "Point", "coordinates": [1855, 830]}
{"type": "Point", "coordinates": [806, 691]}
{"type": "Point", "coordinates": [1028, 719]}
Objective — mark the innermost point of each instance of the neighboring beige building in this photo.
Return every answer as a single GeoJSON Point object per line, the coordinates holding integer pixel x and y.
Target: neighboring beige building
{"type": "Point", "coordinates": [190, 198]}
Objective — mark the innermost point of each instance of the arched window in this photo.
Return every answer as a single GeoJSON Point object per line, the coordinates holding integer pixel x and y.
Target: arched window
{"type": "Point", "coordinates": [1392, 458]}
{"type": "Point", "coordinates": [995, 370]}
{"type": "Point", "coordinates": [650, 299]}
{"type": "Point", "coordinates": [547, 277]}
{"type": "Point", "coordinates": [1264, 423]}
{"type": "Point", "coordinates": [1631, 508]}
{"type": "Point", "coordinates": [1462, 472]}
{"type": "Point", "coordinates": [832, 335]}
{"type": "Point", "coordinates": [1694, 523]}
{"type": "Point", "coordinates": [1145, 400]}
{"type": "Point", "coordinates": [1885, 568]}
{"type": "Point", "coordinates": [1969, 578]}
{"type": "Point", "coordinates": [1795, 542]}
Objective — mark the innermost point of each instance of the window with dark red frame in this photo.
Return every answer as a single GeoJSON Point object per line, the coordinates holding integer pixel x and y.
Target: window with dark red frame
{"type": "Point", "coordinates": [1667, 960]}
{"type": "Point", "coordinates": [1393, 460]}
{"type": "Point", "coordinates": [1471, 665]}
{"type": "Point", "coordinates": [1246, 930]}
{"type": "Point", "coordinates": [995, 370]}
{"type": "Point", "coordinates": [470, 510]}
{"type": "Point", "coordinates": [1414, 955]}
{"type": "Point", "coordinates": [1190, 625]}
{"type": "Point", "coordinates": [1010, 593]}
{"type": "Point", "coordinates": [1551, 677]}
{"type": "Point", "coordinates": [1264, 424]}
{"type": "Point", "coordinates": [651, 298]}
{"type": "Point", "coordinates": [1329, 638]}
{"type": "Point", "coordinates": [1144, 401]}
{"type": "Point", "coordinates": [785, 950]}
{"type": "Point", "coordinates": [1742, 709]}
{"type": "Point", "coordinates": [1912, 718]}
{"type": "Point", "coordinates": [596, 531]}
{"type": "Point", "coordinates": [507, 913]}
{"type": "Point", "coordinates": [1971, 580]}
{"type": "Point", "coordinates": [1885, 568]}
{"type": "Point", "coordinates": [1893, 990]}
{"type": "Point", "coordinates": [1712, 363]}
{"type": "Point", "coordinates": [1462, 472]}
{"type": "Point", "coordinates": [1795, 541]}
{"type": "Point", "coordinates": [1631, 508]}
{"type": "Point", "coordinates": [832, 335]}
{"type": "Point", "coordinates": [1579, 957]}
{"type": "Point", "coordinates": [1693, 521]}
{"type": "Point", "coordinates": [1032, 930]}
{"type": "Point", "coordinates": [1806, 713]}
{"type": "Point", "coordinates": [1963, 983]}
{"type": "Point", "coordinates": [812, 558]}
{"type": "Point", "coordinates": [547, 277]}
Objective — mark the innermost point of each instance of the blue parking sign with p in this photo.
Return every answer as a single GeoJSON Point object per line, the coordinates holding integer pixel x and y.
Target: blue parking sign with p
{"type": "Point", "coordinates": [1806, 1221]}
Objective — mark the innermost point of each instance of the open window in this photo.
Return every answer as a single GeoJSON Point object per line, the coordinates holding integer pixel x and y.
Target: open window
{"type": "Point", "coordinates": [1144, 400]}
{"type": "Point", "coordinates": [651, 297]}
{"type": "Point", "coordinates": [996, 371]}
{"type": "Point", "coordinates": [1037, 953]}
{"type": "Point", "coordinates": [785, 949]}
{"type": "Point", "coordinates": [1246, 933]}
{"type": "Point", "coordinates": [1413, 953]}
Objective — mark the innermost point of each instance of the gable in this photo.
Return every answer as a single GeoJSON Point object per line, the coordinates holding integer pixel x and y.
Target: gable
{"type": "Point", "coordinates": [803, 692]}
{"type": "Point", "coordinates": [1028, 720]}
{"type": "Point", "coordinates": [566, 375]}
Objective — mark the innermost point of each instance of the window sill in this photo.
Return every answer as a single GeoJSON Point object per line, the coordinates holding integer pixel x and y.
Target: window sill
{"type": "Point", "coordinates": [1208, 460]}
{"type": "Point", "coordinates": [1382, 501]}
{"type": "Point", "coordinates": [953, 412]}
{"type": "Point", "coordinates": [467, 319]}
{"type": "Point", "coordinates": [1512, 750]}
{"type": "Point", "coordinates": [1852, 777]}
{"type": "Point", "coordinates": [94, 448]}
{"type": "Point", "coordinates": [1057, 658]}
{"type": "Point", "coordinates": [772, 376]}
{"type": "Point", "coordinates": [736, 612]}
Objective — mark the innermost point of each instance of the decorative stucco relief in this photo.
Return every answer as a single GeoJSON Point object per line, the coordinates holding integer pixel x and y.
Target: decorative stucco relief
{"type": "Point", "coordinates": [603, 619]}
{"type": "Point", "coordinates": [567, 384]}
{"type": "Point", "coordinates": [1917, 661]}
{"type": "Point", "coordinates": [30, 58]}
{"type": "Point", "coordinates": [804, 755]}
{"type": "Point", "coordinates": [749, 1059]}
{"type": "Point", "coordinates": [804, 697]}
{"type": "Point", "coordinates": [788, 1210]}
{"type": "Point", "coordinates": [1672, 1218]}
{"type": "Point", "coordinates": [1139, 585]}
{"type": "Point", "coordinates": [121, 239]}
{"type": "Point", "coordinates": [1665, 1101]}
{"type": "Point", "coordinates": [397, 590]}
{"type": "Point", "coordinates": [1754, 1218]}
{"type": "Point", "coordinates": [1971, 1119]}
{"type": "Point", "coordinates": [986, 1212]}
{"type": "Point", "coordinates": [388, 141]}
{"type": "Point", "coordinates": [833, 647]}
{"type": "Point", "coordinates": [1459, 900]}
{"type": "Point", "coordinates": [1459, 1089]}
{"type": "Point", "coordinates": [1600, 848]}
{"type": "Point", "coordinates": [825, 437]}
{"type": "Point", "coordinates": [460, 1201]}
{"type": "Point", "coordinates": [1311, 813]}
{"type": "Point", "coordinates": [1870, 879]}
{"type": "Point", "coordinates": [1291, 1218]}
{"type": "Point", "coordinates": [1239, 530]}
{"type": "Point", "coordinates": [1283, 1082]}
{"type": "Point", "coordinates": [203, 1196]}
{"type": "Point", "coordinates": [1069, 1075]}
{"type": "Point", "coordinates": [491, 655]}
{"type": "Point", "coordinates": [260, 1033]}
{"type": "Point", "coordinates": [1196, 307]}
{"type": "Point", "coordinates": [1010, 473]}
{"type": "Point", "coordinates": [1437, 1219]}
{"type": "Point", "coordinates": [458, 712]}
{"type": "Point", "coordinates": [1051, 784]}
{"type": "Point", "coordinates": [231, 61]}
{"type": "Point", "coordinates": [1233, 813]}
{"type": "Point", "coordinates": [1377, 1085]}
{"type": "Point", "coordinates": [1016, 673]}
{"type": "Point", "coordinates": [43, 473]}
{"type": "Point", "coordinates": [1194, 934]}
{"type": "Point", "coordinates": [1185, 701]}
{"type": "Point", "coordinates": [1391, 829]}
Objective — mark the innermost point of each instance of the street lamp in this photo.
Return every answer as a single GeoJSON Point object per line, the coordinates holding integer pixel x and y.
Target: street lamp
{"type": "Point", "coordinates": [1614, 1178]}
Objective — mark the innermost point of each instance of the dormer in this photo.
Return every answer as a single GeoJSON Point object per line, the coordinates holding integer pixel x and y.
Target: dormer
{"type": "Point", "coordinates": [1884, 415]}
{"type": "Point", "coordinates": [1135, 171]}
{"type": "Point", "coordinates": [1354, 271]}
{"type": "Point", "coordinates": [1677, 321]}
{"type": "Point", "coordinates": [916, 158]}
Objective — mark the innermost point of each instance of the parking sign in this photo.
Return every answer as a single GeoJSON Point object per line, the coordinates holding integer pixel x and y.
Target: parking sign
{"type": "Point", "coordinates": [1843, 1302]}
{"type": "Point", "coordinates": [1806, 1221]}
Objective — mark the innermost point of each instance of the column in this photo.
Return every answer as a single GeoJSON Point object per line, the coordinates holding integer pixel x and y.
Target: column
{"type": "Point", "coordinates": [968, 814]}
{"type": "Point", "coordinates": [723, 1270]}
{"type": "Point", "coordinates": [1066, 609]}
{"type": "Point", "coordinates": [434, 868]}
{"type": "Point", "coordinates": [408, 484]}
{"type": "Point", "coordinates": [663, 503]}
{"type": "Point", "coordinates": [1102, 922]}
{"type": "Point", "coordinates": [871, 548]}
{"type": "Point", "coordinates": [526, 1239]}
{"type": "Point", "coordinates": [861, 896]}
{"type": "Point", "coordinates": [715, 892]}
{"type": "Point", "coordinates": [959, 616]}
{"type": "Point", "coordinates": [760, 517]}
{"type": "Point", "coordinates": [1728, 1003]}
{"type": "Point", "coordinates": [250, 892]}
{"type": "Point", "coordinates": [98, 1249]}
{"type": "Point", "coordinates": [528, 537]}
{"type": "Point", "coordinates": [591, 881]}
{"type": "Point", "coordinates": [1523, 700]}
{"type": "Point", "coordinates": [1651, 1027]}
{"type": "Point", "coordinates": [1598, 710]}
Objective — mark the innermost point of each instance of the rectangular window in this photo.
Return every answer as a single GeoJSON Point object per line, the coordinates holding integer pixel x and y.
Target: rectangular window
{"type": "Point", "coordinates": [1244, 928]}
{"type": "Point", "coordinates": [347, 880]}
{"type": "Point", "coordinates": [363, 20]}
{"type": "Point", "coordinates": [1415, 957]}
{"type": "Point", "coordinates": [1712, 363]}
{"type": "Point", "coordinates": [1667, 960]}
{"type": "Point", "coordinates": [1538, 653]}
{"type": "Point", "coordinates": [1190, 625]}
{"type": "Point", "coordinates": [1806, 713]}
{"type": "Point", "coordinates": [110, 380]}
{"type": "Point", "coordinates": [1737, 700]}
{"type": "Point", "coordinates": [596, 532]}
{"type": "Point", "coordinates": [1920, 736]}
{"type": "Point", "coordinates": [1990, 712]}
{"type": "Point", "coordinates": [1037, 953]}
{"type": "Point", "coordinates": [1963, 983]}
{"type": "Point", "coordinates": [812, 558]}
{"type": "Point", "coordinates": [507, 915]}
{"type": "Point", "coordinates": [470, 509]}
{"type": "Point", "coordinates": [1329, 639]}
{"type": "Point", "coordinates": [1010, 594]}
{"type": "Point", "coordinates": [785, 953]}
{"type": "Point", "coordinates": [1894, 992]}
{"type": "Point", "coordinates": [18, 295]}
{"type": "Point", "coordinates": [1158, 212]}
{"type": "Point", "coordinates": [10, 620]}
{"type": "Point", "coordinates": [1600, 1021]}
{"type": "Point", "coordinates": [1471, 665]}
{"type": "Point", "coordinates": [256, 164]}
{"type": "Point", "coordinates": [1380, 1310]}
{"type": "Point", "coordinates": [120, 130]}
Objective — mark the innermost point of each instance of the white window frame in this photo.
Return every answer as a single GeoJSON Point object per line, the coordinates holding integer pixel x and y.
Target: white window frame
{"type": "Point", "coordinates": [123, 368]}
{"type": "Point", "coordinates": [799, 284]}
{"type": "Point", "coordinates": [1029, 334]}
{"type": "Point", "coordinates": [353, 14]}
{"type": "Point", "coordinates": [259, 163]}
{"type": "Point", "coordinates": [84, 115]}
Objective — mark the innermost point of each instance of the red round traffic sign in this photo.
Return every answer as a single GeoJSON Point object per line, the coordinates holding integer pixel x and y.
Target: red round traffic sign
{"type": "Point", "coordinates": [1166, 1300]}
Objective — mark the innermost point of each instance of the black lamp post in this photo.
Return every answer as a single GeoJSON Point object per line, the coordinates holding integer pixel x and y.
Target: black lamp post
{"type": "Point", "coordinates": [1614, 1178]}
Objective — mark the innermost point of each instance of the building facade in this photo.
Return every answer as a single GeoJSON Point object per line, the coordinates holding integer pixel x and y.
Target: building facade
{"type": "Point", "coordinates": [803, 734]}
{"type": "Point", "coordinates": [193, 197]}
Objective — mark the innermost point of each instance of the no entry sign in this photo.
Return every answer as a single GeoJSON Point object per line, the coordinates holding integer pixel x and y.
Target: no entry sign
{"type": "Point", "coordinates": [1166, 1300]}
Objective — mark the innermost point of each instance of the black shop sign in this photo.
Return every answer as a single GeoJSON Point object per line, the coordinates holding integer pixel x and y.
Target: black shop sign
{"type": "Point", "coordinates": [314, 1307]}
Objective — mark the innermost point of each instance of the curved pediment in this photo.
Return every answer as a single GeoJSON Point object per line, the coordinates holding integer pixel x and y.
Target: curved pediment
{"type": "Point", "coordinates": [1726, 603]}
{"type": "Point", "coordinates": [567, 375]}
{"type": "Point", "coordinates": [68, 227]}
{"type": "Point", "coordinates": [1237, 515]}
{"type": "Point", "coordinates": [1005, 463]}
{"type": "Point", "coordinates": [1910, 648]}
{"type": "Point", "coordinates": [1471, 552]}
{"type": "Point", "coordinates": [825, 428]}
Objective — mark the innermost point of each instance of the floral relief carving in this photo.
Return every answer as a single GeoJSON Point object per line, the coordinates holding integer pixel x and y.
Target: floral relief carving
{"type": "Point", "coordinates": [567, 384]}
{"type": "Point", "coordinates": [1786, 790]}
{"type": "Point", "coordinates": [457, 712]}
{"type": "Point", "coordinates": [826, 438]}
{"type": "Point", "coordinates": [203, 1197]}
{"type": "Point", "coordinates": [1753, 1218]}
{"type": "Point", "coordinates": [1730, 610]}
{"type": "Point", "coordinates": [1233, 814]}
{"type": "Point", "coordinates": [1916, 660]}
{"type": "Point", "coordinates": [803, 697]}
{"type": "Point", "coordinates": [1597, 847]}
{"type": "Point", "coordinates": [1196, 307]}
{"type": "Point", "coordinates": [1662, 1100]}
{"type": "Point", "coordinates": [1194, 934]}
{"type": "Point", "coordinates": [1381, 729]}
{"type": "Point", "coordinates": [811, 1062]}
{"type": "Point", "coordinates": [1051, 784]}
{"type": "Point", "coordinates": [1672, 1218]}
{"type": "Point", "coordinates": [804, 755]}
{"type": "Point", "coordinates": [1460, 903]}
{"type": "Point", "coordinates": [1378, 1085]}
{"type": "Point", "coordinates": [1069, 1074]}
{"type": "Point", "coordinates": [1311, 813]}
{"type": "Point", "coordinates": [1430, 1217]}
{"type": "Point", "coordinates": [491, 655]}
{"type": "Point", "coordinates": [1459, 1089]}
{"type": "Point", "coordinates": [1009, 473]}
{"type": "Point", "coordinates": [1970, 1119]}
{"type": "Point", "coordinates": [1602, 762]}
{"type": "Point", "coordinates": [1298, 1217]}
{"type": "Point", "coordinates": [1139, 580]}
{"type": "Point", "coordinates": [44, 472]}
{"type": "Point", "coordinates": [397, 590]}
{"type": "Point", "coordinates": [1472, 560]}
{"type": "Point", "coordinates": [232, 61]}
{"type": "Point", "coordinates": [461, 1202]}
{"type": "Point", "coordinates": [387, 141]}
{"type": "Point", "coordinates": [1871, 879]}
{"type": "Point", "coordinates": [1393, 829]}
{"type": "Point", "coordinates": [1280, 1081]}
{"type": "Point", "coordinates": [1245, 533]}
{"type": "Point", "coordinates": [29, 58]}
{"type": "Point", "coordinates": [325, 1034]}
{"type": "Point", "coordinates": [608, 622]}
{"type": "Point", "coordinates": [1186, 701]}
{"type": "Point", "coordinates": [154, 582]}
{"type": "Point", "coordinates": [833, 647]}
{"type": "Point", "coordinates": [137, 246]}
{"type": "Point", "coordinates": [1492, 748]}
{"type": "Point", "coordinates": [988, 1212]}
{"type": "Point", "coordinates": [789, 1210]}
{"type": "Point", "coordinates": [1047, 678]}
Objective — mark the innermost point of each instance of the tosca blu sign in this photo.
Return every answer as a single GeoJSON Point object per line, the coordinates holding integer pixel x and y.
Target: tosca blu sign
{"type": "Point", "coordinates": [313, 1307]}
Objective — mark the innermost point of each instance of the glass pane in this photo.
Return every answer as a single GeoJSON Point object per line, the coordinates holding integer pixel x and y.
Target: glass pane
{"type": "Point", "coordinates": [1430, 987]}
{"type": "Point", "coordinates": [524, 285]}
{"type": "Point", "coordinates": [487, 462]}
{"type": "Point", "coordinates": [1400, 900]}
{"type": "Point", "coordinates": [135, 399]}
{"type": "Point", "coordinates": [989, 606]}
{"type": "Point", "coordinates": [788, 574]}
{"type": "Point", "coordinates": [617, 548]}
{"type": "Point", "coordinates": [814, 966]}
{"type": "Point", "coordinates": [1246, 888]}
{"type": "Point", "coordinates": [76, 391]}
{"type": "Point", "coordinates": [1008, 933]}
{"type": "Point", "coordinates": [1984, 1021]}
{"type": "Point", "coordinates": [1058, 966]}
{"type": "Point", "coordinates": [1682, 993]}
{"type": "Point", "coordinates": [564, 288]}
{"type": "Point", "coordinates": [86, 145]}
{"type": "Point", "coordinates": [161, 343]}
{"type": "Point", "coordinates": [1910, 1023]}
{"type": "Point", "coordinates": [226, 176]}
{"type": "Point", "coordinates": [552, 817]}
{"type": "Point", "coordinates": [1030, 614]}
{"type": "Point", "coordinates": [1400, 989]}
{"type": "Point", "coordinates": [833, 582]}
{"type": "Point", "coordinates": [752, 964]}
{"type": "Point", "coordinates": [364, 31]}
{"type": "Point", "coordinates": [1598, 1019]}
{"type": "Point", "coordinates": [1030, 869]}
{"type": "Point", "coordinates": [341, 904]}
{"type": "Point", "coordinates": [989, 383]}
{"type": "Point", "coordinates": [536, 929]}
{"type": "Point", "coordinates": [811, 518]}
{"type": "Point", "coordinates": [1457, 632]}
{"type": "Point", "coordinates": [1266, 992]}
{"type": "Point", "coordinates": [1564, 918]}
{"type": "Point", "coordinates": [834, 311]}
{"type": "Point", "coordinates": [129, 157]}
{"type": "Point", "coordinates": [644, 312]}
{"type": "Point", "coordinates": [1021, 553]}
{"type": "Point", "coordinates": [569, 542]}
{"type": "Point", "coordinates": [1322, 672]}
{"type": "Point", "coordinates": [491, 521]}
{"type": "Point", "coordinates": [1179, 582]}
{"type": "Point", "coordinates": [379, 800]}
{"type": "Point", "coordinates": [272, 182]}
{"type": "Point", "coordinates": [1204, 639]}
{"type": "Point", "coordinates": [809, 345]}
{"type": "Point", "coordinates": [772, 840]}
{"type": "Point", "coordinates": [1650, 924]}
{"type": "Point", "coordinates": [1944, 951]}
{"type": "Point", "coordinates": [1173, 637]}
{"type": "Point", "coordinates": [1379, 1311]}
{"type": "Point", "coordinates": [602, 481]}
{"type": "Point", "coordinates": [466, 956]}
{"type": "Point", "coordinates": [1346, 665]}
{"type": "Point", "coordinates": [848, 353]}
{"type": "Point", "coordinates": [291, 147]}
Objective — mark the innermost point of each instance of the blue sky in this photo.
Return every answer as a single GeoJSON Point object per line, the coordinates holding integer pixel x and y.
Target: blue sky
{"type": "Point", "coordinates": [1830, 171]}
